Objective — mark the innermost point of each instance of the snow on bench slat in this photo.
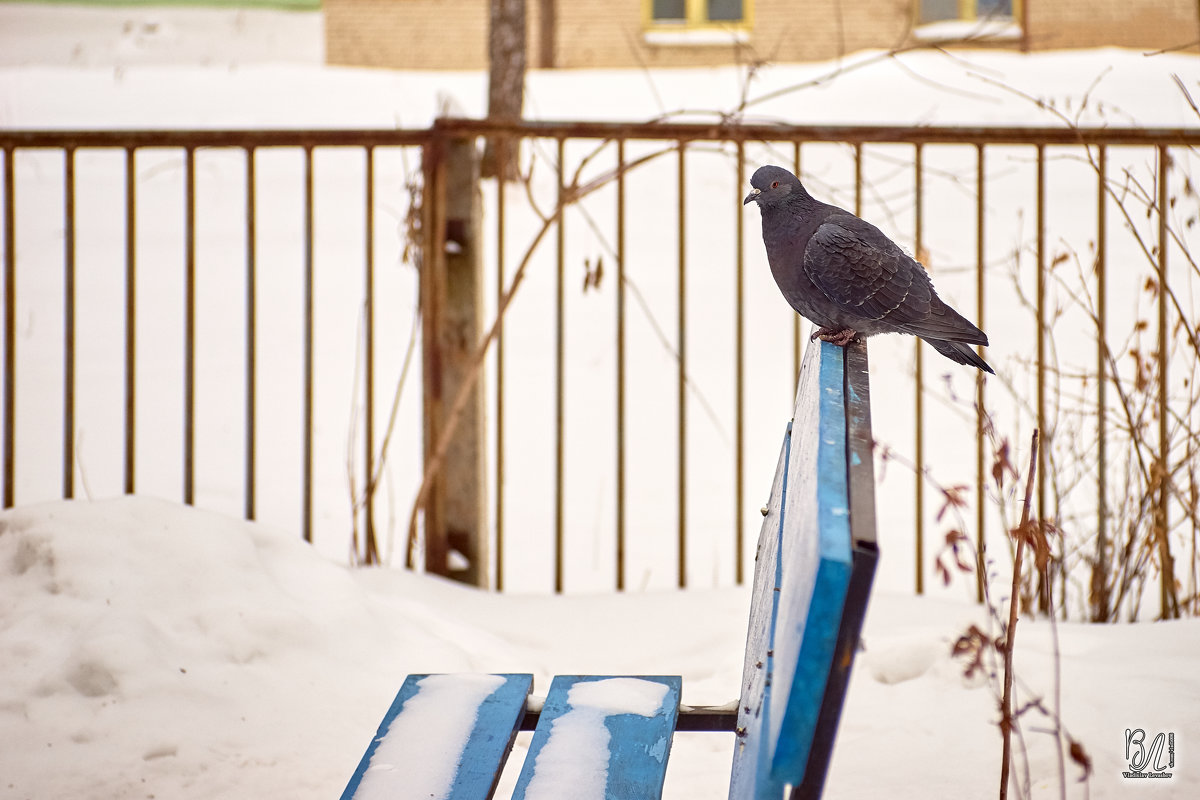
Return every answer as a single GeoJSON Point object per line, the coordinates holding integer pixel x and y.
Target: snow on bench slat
{"type": "Point", "coordinates": [601, 738]}
{"type": "Point", "coordinates": [445, 737]}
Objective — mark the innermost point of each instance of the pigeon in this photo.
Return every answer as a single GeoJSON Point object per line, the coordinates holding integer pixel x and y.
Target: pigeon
{"type": "Point", "coordinates": [847, 277]}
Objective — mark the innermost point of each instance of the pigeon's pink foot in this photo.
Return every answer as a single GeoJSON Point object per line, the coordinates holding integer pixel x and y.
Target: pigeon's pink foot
{"type": "Point", "coordinates": [839, 336]}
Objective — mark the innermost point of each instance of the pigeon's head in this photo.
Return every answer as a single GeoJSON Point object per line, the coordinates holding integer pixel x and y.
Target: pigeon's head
{"type": "Point", "coordinates": [771, 186]}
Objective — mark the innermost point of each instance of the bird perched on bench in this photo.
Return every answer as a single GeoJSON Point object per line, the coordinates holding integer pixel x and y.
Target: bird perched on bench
{"type": "Point", "coordinates": [845, 275]}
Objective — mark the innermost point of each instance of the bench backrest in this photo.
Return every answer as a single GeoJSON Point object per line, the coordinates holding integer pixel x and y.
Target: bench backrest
{"type": "Point", "coordinates": [815, 562]}
{"type": "Point", "coordinates": [447, 736]}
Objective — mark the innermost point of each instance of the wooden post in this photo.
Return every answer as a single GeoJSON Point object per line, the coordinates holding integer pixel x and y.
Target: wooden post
{"type": "Point", "coordinates": [452, 307]}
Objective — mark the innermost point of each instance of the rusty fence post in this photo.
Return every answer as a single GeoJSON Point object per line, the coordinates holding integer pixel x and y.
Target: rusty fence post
{"type": "Point", "coordinates": [452, 313]}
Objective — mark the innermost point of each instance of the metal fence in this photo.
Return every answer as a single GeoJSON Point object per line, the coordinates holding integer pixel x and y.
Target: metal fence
{"type": "Point", "coordinates": [70, 144]}
{"type": "Point", "coordinates": [581, 174]}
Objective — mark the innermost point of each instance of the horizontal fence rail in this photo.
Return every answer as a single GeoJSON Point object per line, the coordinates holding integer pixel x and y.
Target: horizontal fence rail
{"type": "Point", "coordinates": [643, 195]}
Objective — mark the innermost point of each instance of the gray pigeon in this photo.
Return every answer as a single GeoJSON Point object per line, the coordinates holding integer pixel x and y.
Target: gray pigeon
{"type": "Point", "coordinates": [845, 275]}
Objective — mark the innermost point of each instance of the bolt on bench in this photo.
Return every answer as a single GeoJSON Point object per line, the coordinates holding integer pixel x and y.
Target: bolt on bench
{"type": "Point", "coordinates": [448, 736]}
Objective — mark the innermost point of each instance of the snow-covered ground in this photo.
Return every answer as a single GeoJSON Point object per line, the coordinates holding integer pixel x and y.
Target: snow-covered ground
{"type": "Point", "coordinates": [84, 35]}
{"type": "Point", "coordinates": [151, 649]}
{"type": "Point", "coordinates": [154, 650]}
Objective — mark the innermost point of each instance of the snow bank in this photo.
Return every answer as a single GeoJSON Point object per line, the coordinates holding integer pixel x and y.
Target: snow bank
{"type": "Point", "coordinates": [171, 639]}
{"type": "Point", "coordinates": [80, 35]}
{"type": "Point", "coordinates": [152, 649]}
{"type": "Point", "coordinates": [987, 87]}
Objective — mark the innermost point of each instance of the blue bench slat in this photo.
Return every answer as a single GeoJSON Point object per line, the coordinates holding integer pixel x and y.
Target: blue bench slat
{"type": "Point", "coordinates": [861, 469]}
{"type": "Point", "coordinates": [786, 671]}
{"type": "Point", "coordinates": [810, 610]}
{"type": "Point", "coordinates": [607, 731]}
{"type": "Point", "coordinates": [750, 777]}
{"type": "Point", "coordinates": [491, 725]}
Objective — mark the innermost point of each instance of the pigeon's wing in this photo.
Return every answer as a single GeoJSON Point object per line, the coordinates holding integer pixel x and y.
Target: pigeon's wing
{"type": "Point", "coordinates": [867, 275]}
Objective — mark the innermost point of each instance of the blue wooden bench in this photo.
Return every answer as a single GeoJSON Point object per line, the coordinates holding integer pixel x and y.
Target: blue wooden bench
{"type": "Point", "coordinates": [448, 736]}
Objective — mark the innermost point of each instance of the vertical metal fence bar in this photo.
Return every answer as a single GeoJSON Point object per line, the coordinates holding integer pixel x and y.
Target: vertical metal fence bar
{"type": "Point", "coordinates": [1100, 607]}
{"type": "Point", "coordinates": [500, 226]}
{"type": "Point", "coordinates": [68, 443]}
{"type": "Point", "coordinates": [371, 547]}
{"type": "Point", "coordinates": [501, 191]}
{"type": "Point", "coordinates": [681, 377]}
{"type": "Point", "coordinates": [858, 178]}
{"type": "Point", "coordinates": [10, 326]}
{"type": "Point", "coordinates": [1164, 440]}
{"type": "Point", "coordinates": [307, 500]}
{"type": "Point", "coordinates": [559, 370]}
{"type": "Point", "coordinates": [797, 341]}
{"type": "Point", "coordinates": [251, 412]}
{"type": "Point", "coordinates": [620, 365]}
{"type": "Point", "coordinates": [189, 327]}
{"type": "Point", "coordinates": [130, 317]}
{"type": "Point", "coordinates": [980, 407]}
{"type": "Point", "coordinates": [1041, 332]}
{"type": "Point", "coordinates": [919, 476]}
{"type": "Point", "coordinates": [739, 369]}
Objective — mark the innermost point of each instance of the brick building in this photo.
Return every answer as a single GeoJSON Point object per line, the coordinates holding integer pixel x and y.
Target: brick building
{"type": "Point", "coordinates": [452, 34]}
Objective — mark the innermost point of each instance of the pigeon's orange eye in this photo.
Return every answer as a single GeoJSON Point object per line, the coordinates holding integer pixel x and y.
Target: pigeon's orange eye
{"type": "Point", "coordinates": [774, 184]}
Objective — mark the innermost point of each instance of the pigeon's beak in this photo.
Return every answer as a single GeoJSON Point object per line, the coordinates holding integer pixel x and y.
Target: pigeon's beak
{"type": "Point", "coordinates": [754, 193]}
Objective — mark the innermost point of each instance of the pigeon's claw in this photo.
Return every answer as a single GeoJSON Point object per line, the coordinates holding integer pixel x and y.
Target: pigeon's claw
{"type": "Point", "coordinates": [839, 336]}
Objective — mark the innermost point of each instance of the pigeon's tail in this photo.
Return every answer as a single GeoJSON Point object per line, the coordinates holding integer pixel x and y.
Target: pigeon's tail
{"type": "Point", "coordinates": [960, 353]}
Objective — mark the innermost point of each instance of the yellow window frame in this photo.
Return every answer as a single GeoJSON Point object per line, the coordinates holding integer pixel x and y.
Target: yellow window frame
{"type": "Point", "coordinates": [697, 19]}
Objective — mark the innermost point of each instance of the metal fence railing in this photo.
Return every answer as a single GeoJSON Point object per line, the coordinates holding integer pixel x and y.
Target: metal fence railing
{"type": "Point", "coordinates": [183, 146]}
{"type": "Point", "coordinates": [665, 378]}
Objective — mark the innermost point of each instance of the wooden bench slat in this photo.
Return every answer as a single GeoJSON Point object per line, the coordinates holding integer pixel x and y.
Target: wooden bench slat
{"type": "Point", "coordinates": [444, 736]}
{"type": "Point", "coordinates": [861, 469]}
{"type": "Point", "coordinates": [818, 574]}
{"type": "Point", "coordinates": [602, 737]}
{"type": "Point", "coordinates": [805, 563]}
{"type": "Point", "coordinates": [749, 778]}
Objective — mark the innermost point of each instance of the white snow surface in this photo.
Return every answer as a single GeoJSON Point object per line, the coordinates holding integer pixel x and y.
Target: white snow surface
{"type": "Point", "coordinates": [418, 756]}
{"type": "Point", "coordinates": [154, 650]}
{"type": "Point", "coordinates": [79, 35]}
{"type": "Point", "coordinates": [574, 760]}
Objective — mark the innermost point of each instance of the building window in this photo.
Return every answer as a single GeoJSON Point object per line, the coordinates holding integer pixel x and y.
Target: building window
{"type": "Point", "coordinates": [947, 10]}
{"type": "Point", "coordinates": [668, 11]}
{"type": "Point", "coordinates": [696, 13]}
{"type": "Point", "coordinates": [724, 10]}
